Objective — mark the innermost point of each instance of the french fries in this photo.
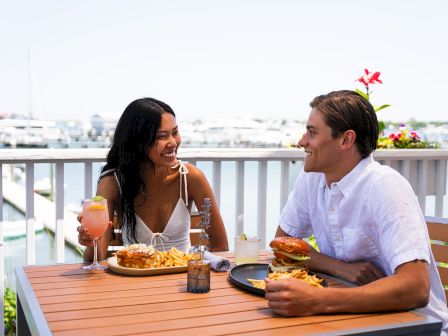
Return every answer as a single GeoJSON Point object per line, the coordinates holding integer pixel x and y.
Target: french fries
{"type": "Point", "coordinates": [143, 256]}
{"type": "Point", "coordinates": [300, 274]}
{"type": "Point", "coordinates": [171, 258]}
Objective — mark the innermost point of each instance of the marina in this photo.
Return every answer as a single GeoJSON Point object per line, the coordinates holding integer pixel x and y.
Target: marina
{"type": "Point", "coordinates": [219, 133]}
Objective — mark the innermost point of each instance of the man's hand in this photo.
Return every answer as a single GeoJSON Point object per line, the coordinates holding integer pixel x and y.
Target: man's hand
{"type": "Point", "coordinates": [292, 297]}
{"type": "Point", "coordinates": [360, 272]}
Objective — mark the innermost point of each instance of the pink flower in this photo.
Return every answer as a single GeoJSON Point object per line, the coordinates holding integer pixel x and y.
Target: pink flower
{"type": "Point", "coordinates": [396, 136]}
{"type": "Point", "coordinates": [414, 135]}
{"type": "Point", "coordinates": [370, 78]}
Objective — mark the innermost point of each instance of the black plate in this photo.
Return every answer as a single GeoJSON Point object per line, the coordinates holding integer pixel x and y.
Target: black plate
{"type": "Point", "coordinates": [240, 274]}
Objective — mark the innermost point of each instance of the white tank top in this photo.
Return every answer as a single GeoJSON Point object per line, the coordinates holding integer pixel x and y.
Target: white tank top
{"type": "Point", "coordinates": [177, 230]}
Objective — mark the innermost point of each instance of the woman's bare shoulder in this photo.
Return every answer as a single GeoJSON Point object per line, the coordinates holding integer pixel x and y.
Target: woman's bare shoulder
{"type": "Point", "coordinates": [108, 187]}
{"type": "Point", "coordinates": [194, 173]}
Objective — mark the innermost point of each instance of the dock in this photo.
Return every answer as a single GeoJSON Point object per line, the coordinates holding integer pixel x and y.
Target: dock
{"type": "Point", "coordinates": [44, 211]}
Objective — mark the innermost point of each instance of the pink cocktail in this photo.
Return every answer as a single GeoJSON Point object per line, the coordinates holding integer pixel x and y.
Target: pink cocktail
{"type": "Point", "coordinates": [95, 219]}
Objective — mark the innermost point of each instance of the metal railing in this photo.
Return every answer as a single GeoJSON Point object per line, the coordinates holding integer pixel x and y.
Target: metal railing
{"type": "Point", "coordinates": [426, 170]}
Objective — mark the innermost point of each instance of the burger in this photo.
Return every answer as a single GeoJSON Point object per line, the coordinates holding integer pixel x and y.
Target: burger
{"type": "Point", "coordinates": [290, 253]}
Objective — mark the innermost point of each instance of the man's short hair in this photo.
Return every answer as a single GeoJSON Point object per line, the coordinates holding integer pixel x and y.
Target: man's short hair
{"type": "Point", "coordinates": [347, 110]}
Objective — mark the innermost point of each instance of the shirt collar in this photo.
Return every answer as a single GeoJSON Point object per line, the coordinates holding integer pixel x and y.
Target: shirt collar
{"type": "Point", "coordinates": [348, 182]}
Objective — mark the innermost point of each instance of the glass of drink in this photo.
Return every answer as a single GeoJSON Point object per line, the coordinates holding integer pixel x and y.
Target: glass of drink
{"type": "Point", "coordinates": [247, 249]}
{"type": "Point", "coordinates": [198, 278]}
{"type": "Point", "coordinates": [95, 218]}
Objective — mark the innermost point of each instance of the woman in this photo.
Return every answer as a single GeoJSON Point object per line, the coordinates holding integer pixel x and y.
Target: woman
{"type": "Point", "coordinates": [149, 189]}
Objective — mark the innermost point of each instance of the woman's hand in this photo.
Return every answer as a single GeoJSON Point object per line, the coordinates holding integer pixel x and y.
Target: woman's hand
{"type": "Point", "coordinates": [83, 236]}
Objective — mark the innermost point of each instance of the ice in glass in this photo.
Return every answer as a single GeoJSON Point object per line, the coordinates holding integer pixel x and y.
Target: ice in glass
{"type": "Point", "coordinates": [246, 249]}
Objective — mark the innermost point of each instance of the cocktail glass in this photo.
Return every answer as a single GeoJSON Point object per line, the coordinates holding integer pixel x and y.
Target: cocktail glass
{"type": "Point", "coordinates": [95, 218]}
{"type": "Point", "coordinates": [247, 249]}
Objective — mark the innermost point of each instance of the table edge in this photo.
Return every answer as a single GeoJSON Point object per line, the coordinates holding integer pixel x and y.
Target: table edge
{"type": "Point", "coordinates": [429, 325]}
{"type": "Point", "coordinates": [35, 319]}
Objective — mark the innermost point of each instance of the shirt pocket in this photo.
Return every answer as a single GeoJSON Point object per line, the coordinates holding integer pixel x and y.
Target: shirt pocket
{"type": "Point", "coordinates": [359, 246]}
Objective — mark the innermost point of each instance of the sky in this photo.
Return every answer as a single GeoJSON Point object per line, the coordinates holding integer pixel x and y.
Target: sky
{"type": "Point", "coordinates": [63, 59]}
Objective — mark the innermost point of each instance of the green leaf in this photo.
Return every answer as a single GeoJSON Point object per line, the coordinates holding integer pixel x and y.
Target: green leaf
{"type": "Point", "coordinates": [379, 108]}
{"type": "Point", "coordinates": [9, 298]}
{"type": "Point", "coordinates": [382, 126]}
{"type": "Point", "coordinates": [365, 95]}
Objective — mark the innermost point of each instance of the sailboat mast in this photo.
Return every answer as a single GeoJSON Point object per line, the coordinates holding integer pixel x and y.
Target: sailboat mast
{"type": "Point", "coordinates": [30, 86]}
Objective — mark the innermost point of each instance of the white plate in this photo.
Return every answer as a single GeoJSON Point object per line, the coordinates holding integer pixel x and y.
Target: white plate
{"type": "Point", "coordinates": [114, 267]}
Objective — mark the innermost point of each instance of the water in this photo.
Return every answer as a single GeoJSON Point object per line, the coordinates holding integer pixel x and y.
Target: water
{"type": "Point", "coordinates": [15, 249]}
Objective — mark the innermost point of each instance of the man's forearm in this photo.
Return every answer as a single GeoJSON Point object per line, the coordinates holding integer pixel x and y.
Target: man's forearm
{"type": "Point", "coordinates": [360, 272]}
{"type": "Point", "coordinates": [319, 262]}
{"type": "Point", "coordinates": [408, 289]}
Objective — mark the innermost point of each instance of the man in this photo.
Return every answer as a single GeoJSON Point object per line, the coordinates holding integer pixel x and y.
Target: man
{"type": "Point", "coordinates": [365, 217]}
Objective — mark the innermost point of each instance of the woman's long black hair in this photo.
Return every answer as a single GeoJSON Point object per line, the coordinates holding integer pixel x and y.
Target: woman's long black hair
{"type": "Point", "coordinates": [134, 135]}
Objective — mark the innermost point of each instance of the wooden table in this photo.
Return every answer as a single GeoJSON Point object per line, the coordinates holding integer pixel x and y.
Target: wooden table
{"type": "Point", "coordinates": [66, 300]}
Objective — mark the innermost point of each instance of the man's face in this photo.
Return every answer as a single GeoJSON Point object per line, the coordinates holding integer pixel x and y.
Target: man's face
{"type": "Point", "coordinates": [321, 149]}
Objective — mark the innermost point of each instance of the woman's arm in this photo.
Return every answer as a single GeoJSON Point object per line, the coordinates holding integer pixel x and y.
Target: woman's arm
{"type": "Point", "coordinates": [198, 189]}
{"type": "Point", "coordinates": [107, 187]}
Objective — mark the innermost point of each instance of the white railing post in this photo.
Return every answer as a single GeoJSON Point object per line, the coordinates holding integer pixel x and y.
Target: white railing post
{"type": "Point", "coordinates": [59, 198]}
{"type": "Point", "coordinates": [262, 193]}
{"type": "Point", "coordinates": [406, 169]}
{"type": "Point", "coordinates": [88, 179]}
{"type": "Point", "coordinates": [217, 182]}
{"type": "Point", "coordinates": [422, 184]}
{"type": "Point", "coordinates": [30, 218]}
{"type": "Point", "coordinates": [239, 198]}
{"type": "Point", "coordinates": [284, 183]}
{"type": "Point", "coordinates": [440, 183]}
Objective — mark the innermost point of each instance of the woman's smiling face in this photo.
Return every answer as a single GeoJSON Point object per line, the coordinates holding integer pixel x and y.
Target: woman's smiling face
{"type": "Point", "coordinates": [163, 152]}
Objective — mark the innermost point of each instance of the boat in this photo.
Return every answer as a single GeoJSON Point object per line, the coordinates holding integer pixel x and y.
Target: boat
{"type": "Point", "coordinates": [31, 133]}
{"type": "Point", "coordinates": [17, 228]}
{"type": "Point", "coordinates": [43, 186]}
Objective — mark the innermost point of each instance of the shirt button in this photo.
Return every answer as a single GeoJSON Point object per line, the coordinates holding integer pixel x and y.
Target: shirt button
{"type": "Point", "coordinates": [337, 237]}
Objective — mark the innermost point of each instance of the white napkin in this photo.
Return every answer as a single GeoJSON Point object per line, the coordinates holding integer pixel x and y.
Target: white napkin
{"type": "Point", "coordinates": [217, 263]}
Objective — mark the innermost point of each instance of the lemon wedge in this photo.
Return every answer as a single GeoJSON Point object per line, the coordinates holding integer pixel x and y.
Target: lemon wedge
{"type": "Point", "coordinates": [98, 198]}
{"type": "Point", "coordinates": [96, 207]}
